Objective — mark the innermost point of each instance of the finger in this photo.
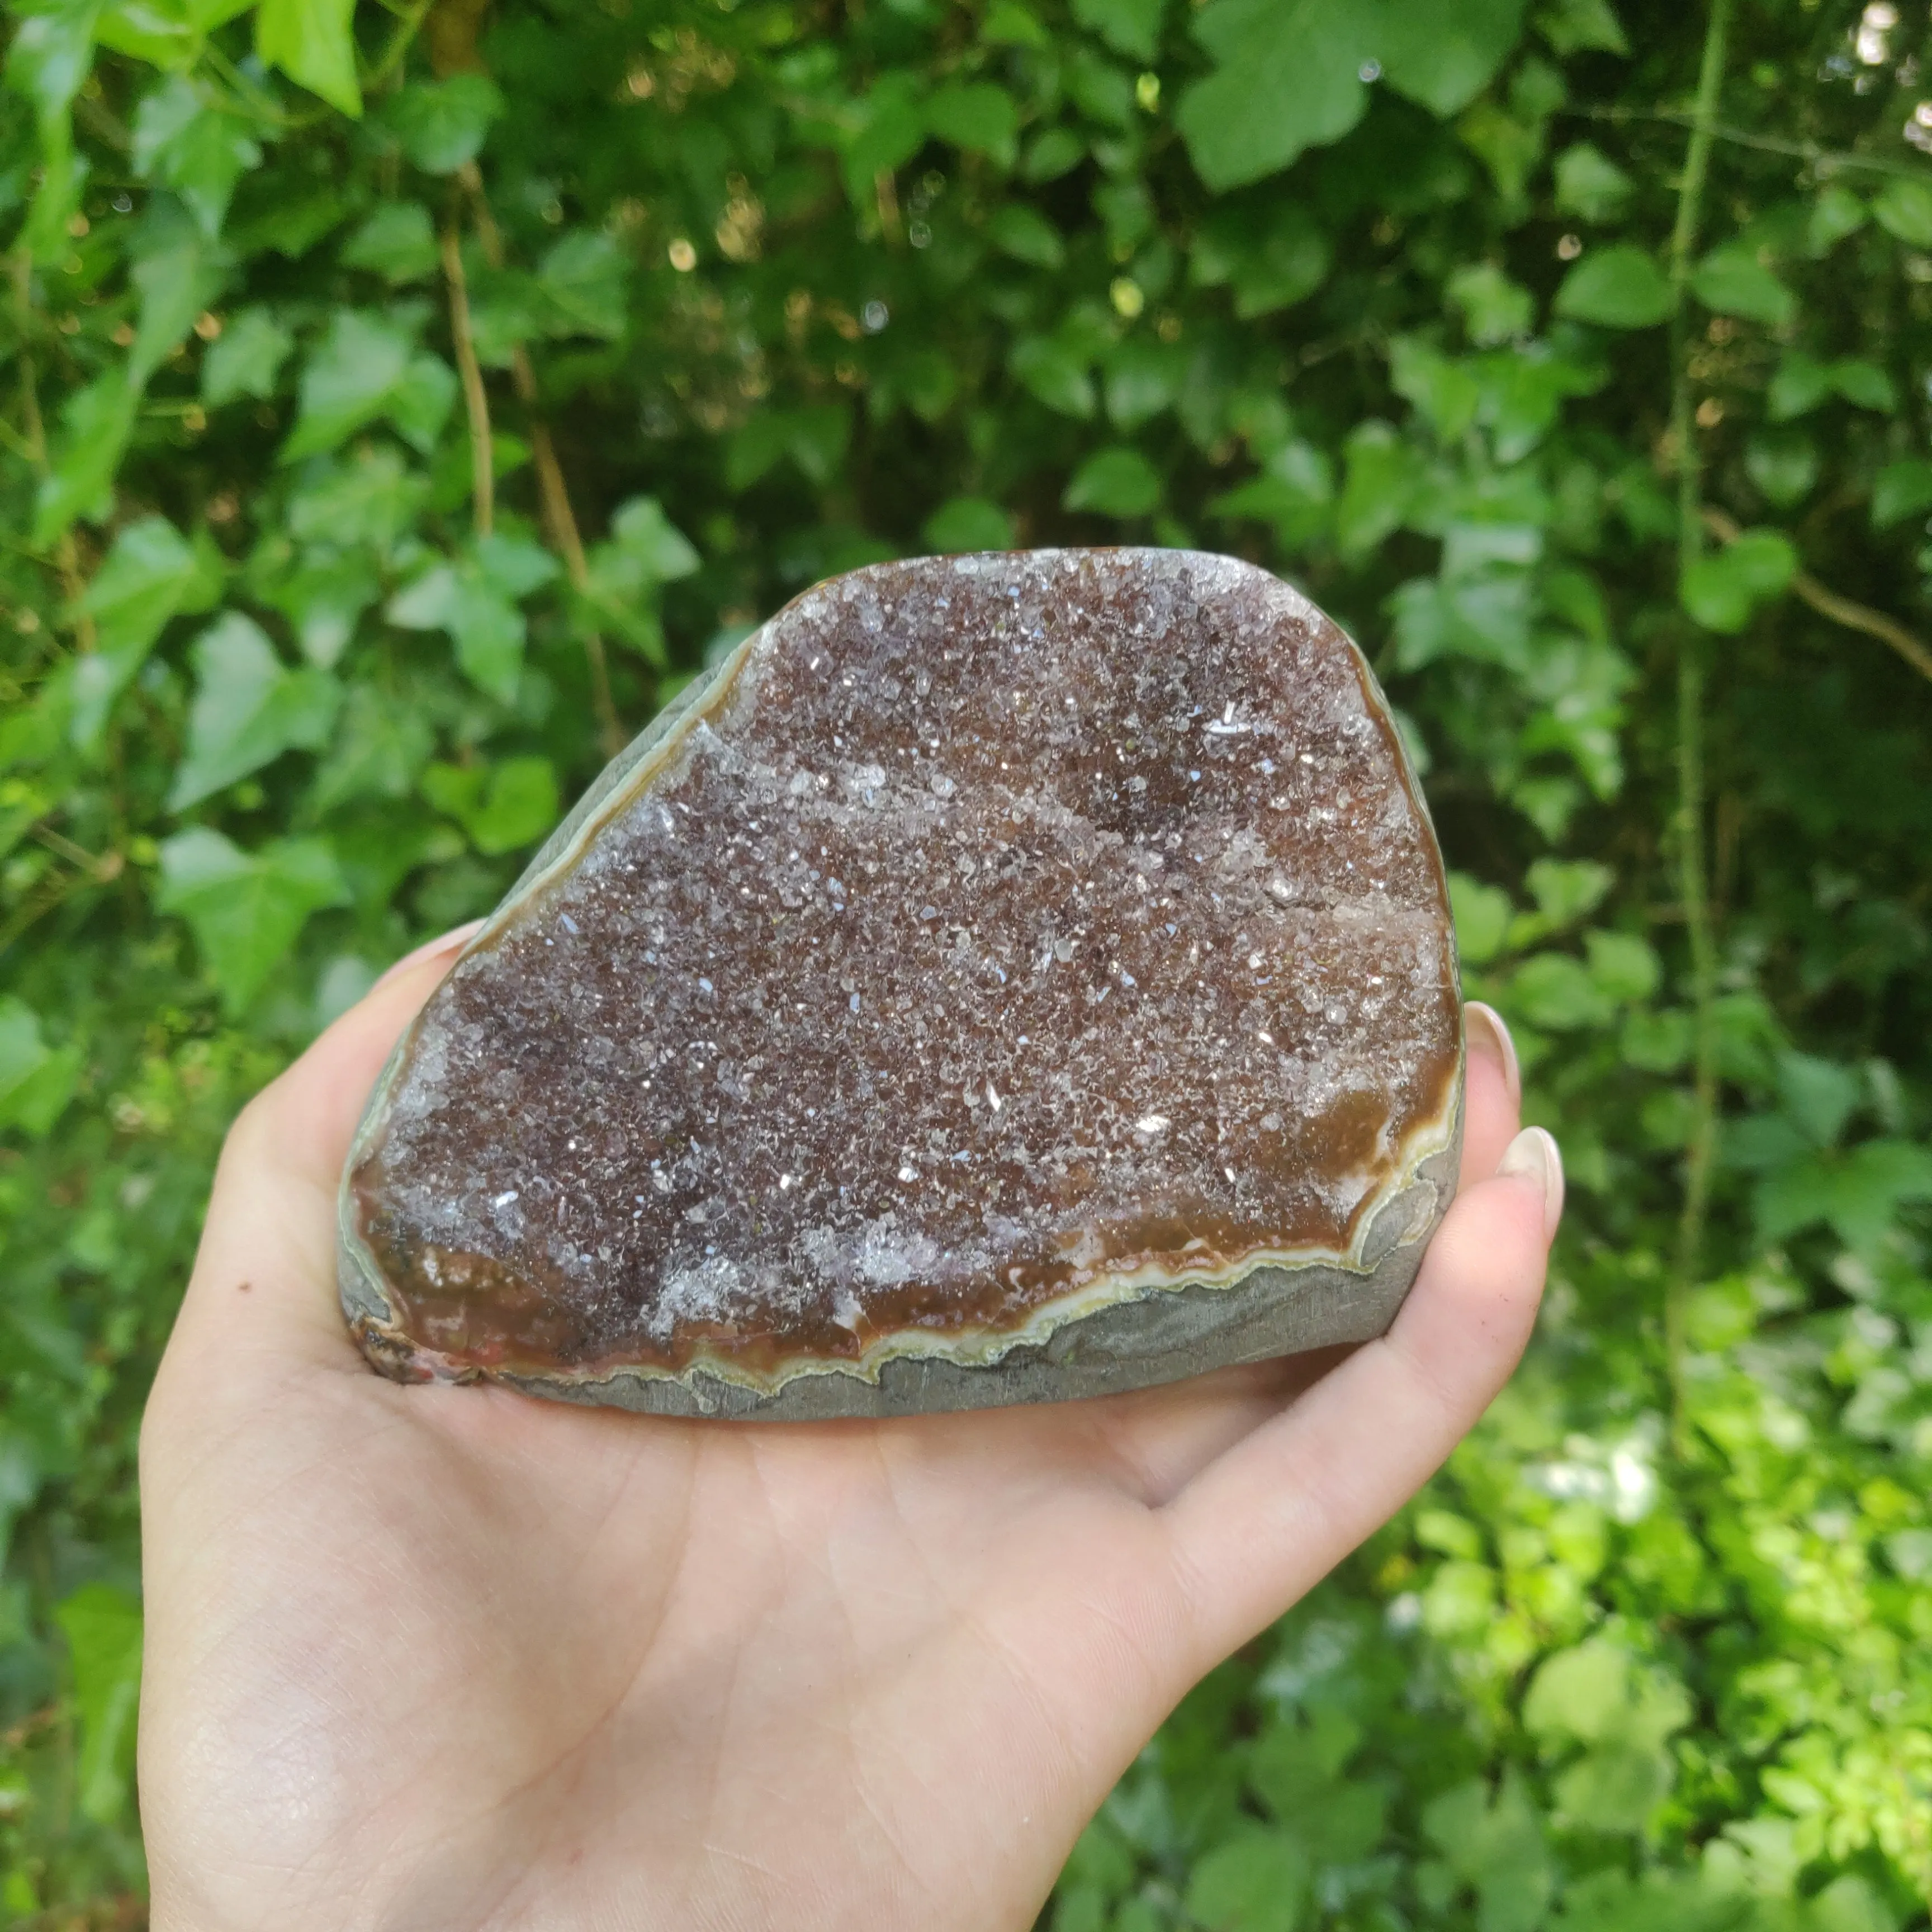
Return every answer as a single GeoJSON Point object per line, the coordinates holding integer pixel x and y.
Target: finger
{"type": "Point", "coordinates": [1492, 1089]}
{"type": "Point", "coordinates": [265, 1277]}
{"type": "Point", "coordinates": [1257, 1528]}
{"type": "Point", "coordinates": [1162, 1438]}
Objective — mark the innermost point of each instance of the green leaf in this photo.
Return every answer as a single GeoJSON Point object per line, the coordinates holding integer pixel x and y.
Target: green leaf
{"type": "Point", "coordinates": [322, 596]}
{"type": "Point", "coordinates": [373, 499]}
{"type": "Point", "coordinates": [1818, 1095]}
{"type": "Point", "coordinates": [1617, 287]}
{"type": "Point", "coordinates": [1115, 483]}
{"type": "Point", "coordinates": [167, 33]}
{"type": "Point", "coordinates": [583, 281]}
{"type": "Point", "coordinates": [248, 710]}
{"type": "Point", "coordinates": [363, 368]}
{"type": "Point", "coordinates": [1271, 258]}
{"type": "Point", "coordinates": [1722, 589]}
{"type": "Point", "coordinates": [179, 272]}
{"type": "Point", "coordinates": [515, 807]}
{"type": "Point", "coordinates": [49, 56]}
{"type": "Point", "coordinates": [1056, 374]}
{"type": "Point", "coordinates": [1859, 1193]}
{"type": "Point", "coordinates": [1589, 184]}
{"type": "Point", "coordinates": [1256, 1881]}
{"type": "Point", "coordinates": [37, 1080]}
{"type": "Point", "coordinates": [1130, 27]}
{"type": "Point", "coordinates": [1378, 487]}
{"type": "Point", "coordinates": [1733, 281]}
{"type": "Point", "coordinates": [443, 123]}
{"type": "Point", "coordinates": [966, 523]}
{"type": "Point", "coordinates": [890, 129]}
{"type": "Point", "coordinates": [96, 422]}
{"type": "Point", "coordinates": [245, 358]}
{"type": "Point", "coordinates": [1582, 26]}
{"type": "Point", "coordinates": [246, 908]}
{"type": "Point", "coordinates": [1026, 235]}
{"type": "Point", "coordinates": [1008, 24]}
{"type": "Point", "coordinates": [152, 573]}
{"type": "Point", "coordinates": [1143, 377]}
{"type": "Point", "coordinates": [380, 746]}
{"type": "Point", "coordinates": [474, 599]}
{"type": "Point", "coordinates": [1482, 914]}
{"type": "Point", "coordinates": [1836, 212]}
{"type": "Point", "coordinates": [645, 550]}
{"type": "Point", "coordinates": [1783, 463]}
{"type": "Point", "coordinates": [1290, 73]}
{"type": "Point", "coordinates": [1286, 79]}
{"type": "Point", "coordinates": [102, 1626]}
{"type": "Point", "coordinates": [185, 140]}
{"type": "Point", "coordinates": [1901, 490]}
{"type": "Point", "coordinates": [977, 116]}
{"type": "Point", "coordinates": [396, 240]}
{"type": "Point", "coordinates": [1494, 309]}
{"type": "Point", "coordinates": [1904, 209]}
{"type": "Point", "coordinates": [314, 42]}
{"type": "Point", "coordinates": [1056, 151]}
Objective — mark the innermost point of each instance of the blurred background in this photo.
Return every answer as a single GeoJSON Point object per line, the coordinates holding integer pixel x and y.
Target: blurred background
{"type": "Point", "coordinates": [401, 401]}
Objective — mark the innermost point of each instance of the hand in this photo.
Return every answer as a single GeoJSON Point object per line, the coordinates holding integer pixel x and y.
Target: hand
{"type": "Point", "coordinates": [439, 1657]}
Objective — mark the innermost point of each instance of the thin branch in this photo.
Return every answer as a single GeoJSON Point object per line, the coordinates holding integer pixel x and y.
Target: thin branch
{"type": "Point", "coordinates": [1828, 161]}
{"type": "Point", "coordinates": [1693, 872]}
{"type": "Point", "coordinates": [1840, 609]}
{"type": "Point", "coordinates": [475, 398]}
{"type": "Point", "coordinates": [560, 519]}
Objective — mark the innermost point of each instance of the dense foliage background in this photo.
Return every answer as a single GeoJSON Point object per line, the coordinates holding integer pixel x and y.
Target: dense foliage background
{"type": "Point", "coordinates": [402, 400]}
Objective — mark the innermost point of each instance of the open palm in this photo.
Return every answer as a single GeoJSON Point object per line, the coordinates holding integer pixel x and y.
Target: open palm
{"type": "Point", "coordinates": [436, 1657]}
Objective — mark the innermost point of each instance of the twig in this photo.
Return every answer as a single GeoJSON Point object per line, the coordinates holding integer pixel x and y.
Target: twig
{"type": "Point", "coordinates": [106, 869]}
{"type": "Point", "coordinates": [1828, 603]}
{"type": "Point", "coordinates": [1693, 873]}
{"type": "Point", "coordinates": [560, 519]}
{"type": "Point", "coordinates": [475, 398]}
{"type": "Point", "coordinates": [1829, 159]}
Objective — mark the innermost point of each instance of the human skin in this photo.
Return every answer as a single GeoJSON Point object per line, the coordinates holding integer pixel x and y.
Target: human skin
{"type": "Point", "coordinates": [451, 1658]}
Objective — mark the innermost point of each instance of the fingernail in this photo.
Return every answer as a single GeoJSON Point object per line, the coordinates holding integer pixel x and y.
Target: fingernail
{"type": "Point", "coordinates": [448, 943]}
{"type": "Point", "coordinates": [1534, 1155]}
{"type": "Point", "coordinates": [1484, 1028]}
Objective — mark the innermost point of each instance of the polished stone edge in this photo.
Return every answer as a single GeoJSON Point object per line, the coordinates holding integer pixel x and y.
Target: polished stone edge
{"type": "Point", "coordinates": [1167, 1333]}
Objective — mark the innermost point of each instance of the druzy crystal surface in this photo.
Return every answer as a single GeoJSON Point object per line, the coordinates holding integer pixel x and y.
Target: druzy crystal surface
{"type": "Point", "coordinates": [994, 940]}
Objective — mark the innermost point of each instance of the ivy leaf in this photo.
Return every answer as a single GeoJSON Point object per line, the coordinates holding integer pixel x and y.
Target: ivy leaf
{"type": "Point", "coordinates": [321, 596]}
{"type": "Point", "coordinates": [645, 550]}
{"type": "Point", "coordinates": [1482, 914]}
{"type": "Point", "coordinates": [473, 599]}
{"type": "Point", "coordinates": [366, 367]}
{"type": "Point", "coordinates": [1271, 258]}
{"type": "Point", "coordinates": [1733, 281]}
{"type": "Point", "coordinates": [1903, 210]}
{"type": "Point", "coordinates": [96, 422]}
{"type": "Point", "coordinates": [1858, 1193]}
{"type": "Point", "coordinates": [248, 710]}
{"type": "Point", "coordinates": [1721, 590]}
{"type": "Point", "coordinates": [179, 272]}
{"type": "Point", "coordinates": [1291, 76]}
{"type": "Point", "coordinates": [1617, 287]}
{"type": "Point", "coordinates": [152, 573]}
{"type": "Point", "coordinates": [246, 908]}
{"type": "Point", "coordinates": [167, 33]}
{"type": "Point", "coordinates": [1130, 27]}
{"type": "Point", "coordinates": [442, 124]}
{"type": "Point", "coordinates": [373, 499]}
{"type": "Point", "coordinates": [379, 747]}
{"type": "Point", "coordinates": [979, 117]}
{"type": "Point", "coordinates": [1027, 235]}
{"type": "Point", "coordinates": [1287, 78]}
{"type": "Point", "coordinates": [102, 1626]}
{"type": "Point", "coordinates": [37, 1080]}
{"type": "Point", "coordinates": [1494, 309]}
{"type": "Point", "coordinates": [963, 524]}
{"type": "Point", "coordinates": [1377, 486]}
{"type": "Point", "coordinates": [1582, 26]}
{"type": "Point", "coordinates": [583, 281]}
{"type": "Point", "coordinates": [186, 142]}
{"type": "Point", "coordinates": [513, 807]}
{"type": "Point", "coordinates": [1054, 372]}
{"type": "Point", "coordinates": [1900, 490]}
{"type": "Point", "coordinates": [314, 42]}
{"type": "Point", "coordinates": [245, 358]}
{"type": "Point", "coordinates": [1254, 1882]}
{"type": "Point", "coordinates": [396, 241]}
{"type": "Point", "coordinates": [1115, 483]}
{"type": "Point", "coordinates": [891, 130]}
{"type": "Point", "coordinates": [1589, 184]}
{"type": "Point", "coordinates": [49, 58]}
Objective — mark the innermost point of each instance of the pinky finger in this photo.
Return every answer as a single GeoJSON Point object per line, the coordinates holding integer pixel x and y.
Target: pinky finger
{"type": "Point", "coordinates": [1267, 1520]}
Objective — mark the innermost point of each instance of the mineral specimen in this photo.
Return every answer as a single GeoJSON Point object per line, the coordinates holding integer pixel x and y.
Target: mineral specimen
{"type": "Point", "coordinates": [1009, 977]}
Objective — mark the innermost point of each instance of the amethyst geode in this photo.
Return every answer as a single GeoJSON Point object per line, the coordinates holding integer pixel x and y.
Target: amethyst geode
{"type": "Point", "coordinates": [1009, 977]}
